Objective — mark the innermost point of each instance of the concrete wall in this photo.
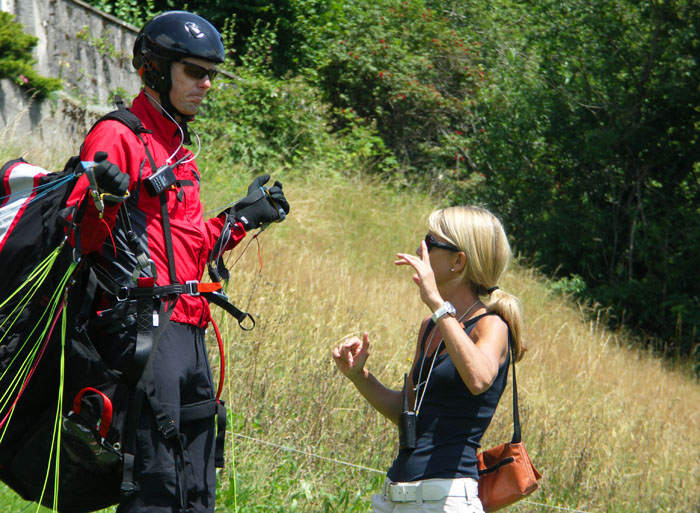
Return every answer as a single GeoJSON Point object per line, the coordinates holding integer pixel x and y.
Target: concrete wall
{"type": "Point", "coordinates": [88, 49]}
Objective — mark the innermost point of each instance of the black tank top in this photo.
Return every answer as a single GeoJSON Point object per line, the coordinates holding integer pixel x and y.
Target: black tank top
{"type": "Point", "coordinates": [451, 420]}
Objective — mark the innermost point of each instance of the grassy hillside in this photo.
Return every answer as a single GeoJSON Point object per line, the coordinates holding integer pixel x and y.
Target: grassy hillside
{"type": "Point", "coordinates": [611, 430]}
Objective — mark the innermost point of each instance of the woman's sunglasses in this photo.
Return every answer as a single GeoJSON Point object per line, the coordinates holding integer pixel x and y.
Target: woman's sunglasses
{"type": "Point", "coordinates": [430, 243]}
{"type": "Point", "coordinates": [197, 72]}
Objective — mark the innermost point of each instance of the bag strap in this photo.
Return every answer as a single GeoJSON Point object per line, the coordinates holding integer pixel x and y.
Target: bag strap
{"type": "Point", "coordinates": [517, 434]}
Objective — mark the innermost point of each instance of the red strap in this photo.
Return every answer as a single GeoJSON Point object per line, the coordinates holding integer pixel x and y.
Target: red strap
{"type": "Point", "coordinates": [222, 360]}
{"type": "Point", "coordinates": [106, 420]}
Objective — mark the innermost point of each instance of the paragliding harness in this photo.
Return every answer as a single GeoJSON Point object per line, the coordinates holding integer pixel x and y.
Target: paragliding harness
{"type": "Point", "coordinates": [93, 466]}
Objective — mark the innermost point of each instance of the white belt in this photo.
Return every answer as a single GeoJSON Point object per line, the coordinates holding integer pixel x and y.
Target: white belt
{"type": "Point", "coordinates": [430, 489]}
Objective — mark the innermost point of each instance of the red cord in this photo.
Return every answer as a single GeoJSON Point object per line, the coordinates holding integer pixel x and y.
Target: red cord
{"type": "Point", "coordinates": [259, 250]}
{"type": "Point", "coordinates": [222, 358]}
{"type": "Point", "coordinates": [109, 231]}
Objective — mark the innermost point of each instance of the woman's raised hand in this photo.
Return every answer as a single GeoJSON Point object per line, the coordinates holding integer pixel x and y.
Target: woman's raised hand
{"type": "Point", "coordinates": [350, 356]}
{"type": "Point", "coordinates": [424, 276]}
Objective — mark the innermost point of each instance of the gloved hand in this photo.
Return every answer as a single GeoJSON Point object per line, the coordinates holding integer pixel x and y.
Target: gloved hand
{"type": "Point", "coordinates": [110, 178]}
{"type": "Point", "coordinates": [262, 204]}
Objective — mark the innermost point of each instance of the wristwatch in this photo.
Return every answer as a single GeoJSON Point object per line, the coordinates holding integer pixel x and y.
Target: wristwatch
{"type": "Point", "coordinates": [446, 309]}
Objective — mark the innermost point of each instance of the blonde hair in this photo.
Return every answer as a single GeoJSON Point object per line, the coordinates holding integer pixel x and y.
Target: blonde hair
{"type": "Point", "coordinates": [480, 235]}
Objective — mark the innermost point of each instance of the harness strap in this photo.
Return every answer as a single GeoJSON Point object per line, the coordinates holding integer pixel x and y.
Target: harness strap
{"type": "Point", "coordinates": [191, 288]}
{"type": "Point", "coordinates": [140, 371]}
{"type": "Point", "coordinates": [220, 272]}
{"type": "Point", "coordinates": [220, 434]}
{"type": "Point", "coordinates": [209, 291]}
{"type": "Point", "coordinates": [206, 410]}
{"type": "Point", "coordinates": [142, 260]}
{"type": "Point", "coordinates": [165, 216]}
{"type": "Point", "coordinates": [221, 301]}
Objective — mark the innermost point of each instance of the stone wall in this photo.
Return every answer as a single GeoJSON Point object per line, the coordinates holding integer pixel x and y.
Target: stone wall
{"type": "Point", "coordinates": [88, 49]}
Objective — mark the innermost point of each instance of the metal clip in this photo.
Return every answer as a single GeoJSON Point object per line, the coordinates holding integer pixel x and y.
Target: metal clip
{"type": "Point", "coordinates": [142, 263]}
{"type": "Point", "coordinates": [191, 287]}
{"type": "Point", "coordinates": [89, 167]}
{"type": "Point", "coordinates": [280, 210]}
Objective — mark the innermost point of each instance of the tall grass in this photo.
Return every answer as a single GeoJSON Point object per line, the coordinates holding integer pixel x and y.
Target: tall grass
{"type": "Point", "coordinates": [611, 429]}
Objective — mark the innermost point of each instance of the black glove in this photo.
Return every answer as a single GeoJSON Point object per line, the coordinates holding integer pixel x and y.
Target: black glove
{"type": "Point", "coordinates": [262, 204]}
{"type": "Point", "coordinates": [110, 178]}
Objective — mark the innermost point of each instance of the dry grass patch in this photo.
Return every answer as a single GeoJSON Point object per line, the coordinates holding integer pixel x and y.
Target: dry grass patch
{"type": "Point", "coordinates": [611, 428]}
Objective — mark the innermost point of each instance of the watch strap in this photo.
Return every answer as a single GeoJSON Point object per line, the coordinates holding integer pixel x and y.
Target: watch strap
{"type": "Point", "coordinates": [445, 309]}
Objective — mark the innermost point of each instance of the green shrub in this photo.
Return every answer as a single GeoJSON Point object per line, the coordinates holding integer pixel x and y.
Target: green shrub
{"type": "Point", "coordinates": [17, 61]}
{"type": "Point", "coordinates": [404, 69]}
{"type": "Point", "coordinates": [136, 12]}
{"type": "Point", "coordinates": [257, 120]}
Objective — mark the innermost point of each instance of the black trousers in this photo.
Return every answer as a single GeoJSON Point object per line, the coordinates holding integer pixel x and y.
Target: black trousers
{"type": "Point", "coordinates": [167, 476]}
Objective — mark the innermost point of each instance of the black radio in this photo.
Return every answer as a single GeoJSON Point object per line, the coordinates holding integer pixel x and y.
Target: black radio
{"type": "Point", "coordinates": [161, 180]}
{"type": "Point", "coordinates": [408, 423]}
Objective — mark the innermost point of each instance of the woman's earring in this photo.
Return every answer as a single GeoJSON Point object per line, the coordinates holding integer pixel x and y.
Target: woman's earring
{"type": "Point", "coordinates": [453, 269]}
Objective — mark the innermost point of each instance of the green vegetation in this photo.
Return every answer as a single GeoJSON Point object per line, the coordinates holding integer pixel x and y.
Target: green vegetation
{"type": "Point", "coordinates": [17, 61]}
{"type": "Point", "coordinates": [604, 423]}
{"type": "Point", "coordinates": [576, 122]}
{"type": "Point", "coordinates": [132, 11]}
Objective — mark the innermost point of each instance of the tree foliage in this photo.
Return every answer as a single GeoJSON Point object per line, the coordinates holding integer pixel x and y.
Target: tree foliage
{"type": "Point", "coordinates": [613, 158]}
{"type": "Point", "coordinates": [576, 121]}
{"type": "Point", "coordinates": [403, 68]}
{"type": "Point", "coordinates": [293, 24]}
{"type": "Point", "coordinates": [17, 61]}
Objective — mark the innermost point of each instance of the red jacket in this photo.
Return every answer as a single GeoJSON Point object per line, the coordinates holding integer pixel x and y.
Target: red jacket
{"type": "Point", "coordinates": [192, 236]}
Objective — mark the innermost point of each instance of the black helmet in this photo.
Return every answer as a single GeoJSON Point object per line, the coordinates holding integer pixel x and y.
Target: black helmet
{"type": "Point", "coordinates": [171, 36]}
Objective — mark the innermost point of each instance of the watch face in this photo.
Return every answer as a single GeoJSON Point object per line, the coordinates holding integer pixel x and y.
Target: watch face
{"type": "Point", "coordinates": [450, 309]}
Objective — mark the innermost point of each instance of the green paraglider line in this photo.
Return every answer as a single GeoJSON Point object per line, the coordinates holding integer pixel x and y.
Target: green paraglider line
{"type": "Point", "coordinates": [44, 325]}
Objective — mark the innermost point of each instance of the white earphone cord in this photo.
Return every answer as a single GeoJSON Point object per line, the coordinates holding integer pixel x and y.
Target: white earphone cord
{"type": "Point", "coordinates": [182, 135]}
{"type": "Point", "coordinates": [417, 404]}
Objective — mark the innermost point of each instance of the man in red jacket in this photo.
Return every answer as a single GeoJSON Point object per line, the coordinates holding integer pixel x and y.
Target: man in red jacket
{"type": "Point", "coordinates": [159, 241]}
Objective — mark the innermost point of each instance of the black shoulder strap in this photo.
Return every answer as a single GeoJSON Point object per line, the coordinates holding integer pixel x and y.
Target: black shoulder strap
{"type": "Point", "coordinates": [428, 328]}
{"type": "Point", "coordinates": [517, 435]}
{"type": "Point", "coordinates": [125, 117]}
{"type": "Point", "coordinates": [469, 323]}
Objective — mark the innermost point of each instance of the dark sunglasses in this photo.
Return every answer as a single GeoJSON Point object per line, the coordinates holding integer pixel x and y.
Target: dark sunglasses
{"type": "Point", "coordinates": [430, 243]}
{"type": "Point", "coordinates": [197, 72]}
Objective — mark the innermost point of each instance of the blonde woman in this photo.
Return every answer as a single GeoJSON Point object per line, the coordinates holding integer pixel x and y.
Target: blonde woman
{"type": "Point", "coordinates": [452, 397]}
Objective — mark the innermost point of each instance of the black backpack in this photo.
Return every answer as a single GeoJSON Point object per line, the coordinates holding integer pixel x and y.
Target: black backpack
{"type": "Point", "coordinates": [46, 303]}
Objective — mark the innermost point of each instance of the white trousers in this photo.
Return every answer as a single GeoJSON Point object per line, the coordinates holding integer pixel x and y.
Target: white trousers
{"type": "Point", "coordinates": [458, 495]}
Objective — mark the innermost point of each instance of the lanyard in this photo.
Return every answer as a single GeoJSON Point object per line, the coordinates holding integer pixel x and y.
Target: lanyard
{"type": "Point", "coordinates": [417, 404]}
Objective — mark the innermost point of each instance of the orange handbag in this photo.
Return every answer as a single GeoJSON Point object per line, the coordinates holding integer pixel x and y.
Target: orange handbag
{"type": "Point", "coordinates": [506, 473]}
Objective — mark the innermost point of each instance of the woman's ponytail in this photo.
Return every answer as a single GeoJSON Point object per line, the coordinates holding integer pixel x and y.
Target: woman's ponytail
{"type": "Point", "coordinates": [508, 307]}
